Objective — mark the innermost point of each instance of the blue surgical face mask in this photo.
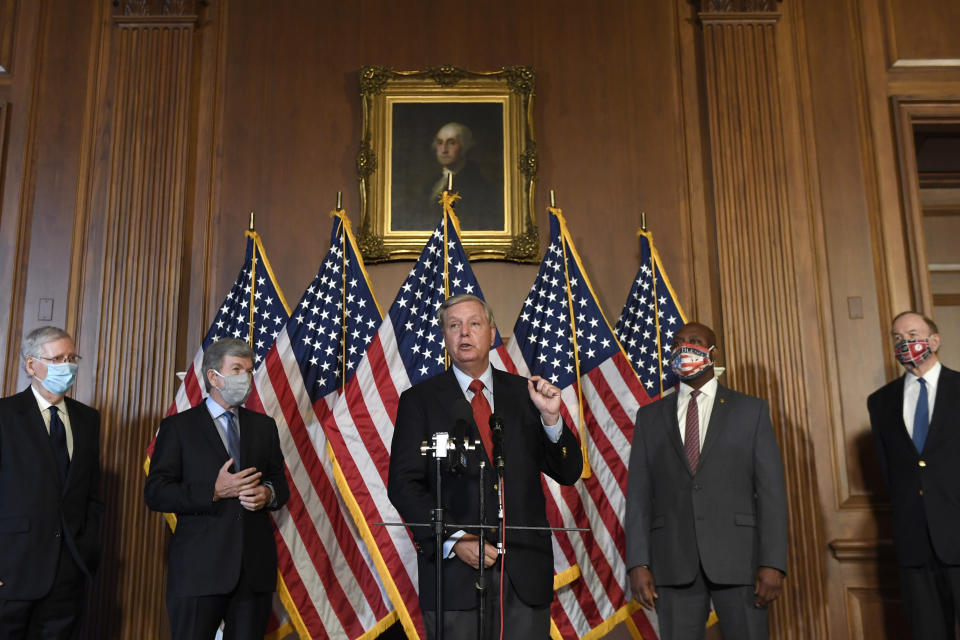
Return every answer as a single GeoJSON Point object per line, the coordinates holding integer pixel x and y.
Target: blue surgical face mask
{"type": "Point", "coordinates": [60, 377]}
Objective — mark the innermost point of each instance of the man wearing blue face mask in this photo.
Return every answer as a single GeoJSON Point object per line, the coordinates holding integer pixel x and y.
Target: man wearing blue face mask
{"type": "Point", "coordinates": [219, 468]}
{"type": "Point", "coordinates": [49, 510]}
{"type": "Point", "coordinates": [706, 515]}
{"type": "Point", "coordinates": [917, 437]}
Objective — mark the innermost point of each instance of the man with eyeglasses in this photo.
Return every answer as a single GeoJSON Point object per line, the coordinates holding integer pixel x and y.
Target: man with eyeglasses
{"type": "Point", "coordinates": [219, 468]}
{"type": "Point", "coordinates": [49, 509]}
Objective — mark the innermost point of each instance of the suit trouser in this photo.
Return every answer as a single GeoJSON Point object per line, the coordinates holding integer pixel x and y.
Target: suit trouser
{"type": "Point", "coordinates": [55, 616]}
{"type": "Point", "coordinates": [683, 610]}
{"type": "Point", "coordinates": [244, 612]}
{"type": "Point", "coordinates": [931, 597]}
{"type": "Point", "coordinates": [520, 621]}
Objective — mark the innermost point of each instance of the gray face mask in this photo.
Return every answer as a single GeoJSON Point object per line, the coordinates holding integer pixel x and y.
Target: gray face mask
{"type": "Point", "coordinates": [236, 389]}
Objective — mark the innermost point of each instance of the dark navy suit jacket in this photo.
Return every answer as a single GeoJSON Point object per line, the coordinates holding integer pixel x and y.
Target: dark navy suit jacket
{"type": "Point", "coordinates": [37, 513]}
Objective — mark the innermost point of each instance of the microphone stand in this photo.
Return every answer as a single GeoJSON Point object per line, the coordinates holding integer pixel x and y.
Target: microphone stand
{"type": "Point", "coordinates": [440, 446]}
{"type": "Point", "coordinates": [481, 583]}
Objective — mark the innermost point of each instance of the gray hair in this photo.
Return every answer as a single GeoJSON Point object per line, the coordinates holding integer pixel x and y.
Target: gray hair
{"type": "Point", "coordinates": [463, 132]}
{"type": "Point", "coordinates": [32, 344]}
{"type": "Point", "coordinates": [215, 353]}
{"type": "Point", "coordinates": [464, 297]}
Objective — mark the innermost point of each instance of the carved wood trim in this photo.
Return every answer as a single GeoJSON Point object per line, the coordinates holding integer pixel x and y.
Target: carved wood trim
{"type": "Point", "coordinates": [862, 550]}
{"type": "Point", "coordinates": [755, 7]}
{"type": "Point", "coordinates": [135, 215]}
{"type": "Point", "coordinates": [151, 11]}
{"type": "Point", "coordinates": [759, 273]}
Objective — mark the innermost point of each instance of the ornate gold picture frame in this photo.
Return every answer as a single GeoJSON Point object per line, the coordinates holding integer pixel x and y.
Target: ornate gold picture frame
{"type": "Point", "coordinates": [419, 127]}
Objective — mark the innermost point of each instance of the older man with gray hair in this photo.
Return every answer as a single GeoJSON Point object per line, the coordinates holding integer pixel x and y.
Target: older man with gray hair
{"type": "Point", "coordinates": [49, 510]}
{"type": "Point", "coordinates": [219, 468]}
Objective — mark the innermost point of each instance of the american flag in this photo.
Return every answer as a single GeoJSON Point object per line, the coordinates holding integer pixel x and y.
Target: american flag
{"type": "Point", "coordinates": [329, 581]}
{"type": "Point", "coordinates": [650, 317]}
{"type": "Point", "coordinates": [562, 335]}
{"type": "Point", "coordinates": [253, 310]}
{"type": "Point", "coordinates": [407, 348]}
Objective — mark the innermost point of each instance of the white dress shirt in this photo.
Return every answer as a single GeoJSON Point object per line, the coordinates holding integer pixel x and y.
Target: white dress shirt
{"type": "Point", "coordinates": [708, 393]}
{"type": "Point", "coordinates": [553, 431]}
{"type": "Point", "coordinates": [64, 417]}
{"type": "Point", "coordinates": [911, 393]}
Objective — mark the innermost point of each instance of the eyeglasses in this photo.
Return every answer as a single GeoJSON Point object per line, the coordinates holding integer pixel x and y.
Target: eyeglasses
{"type": "Point", "coordinates": [72, 359]}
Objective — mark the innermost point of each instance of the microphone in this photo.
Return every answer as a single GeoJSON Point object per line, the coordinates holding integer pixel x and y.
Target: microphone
{"type": "Point", "coordinates": [458, 462]}
{"type": "Point", "coordinates": [496, 432]}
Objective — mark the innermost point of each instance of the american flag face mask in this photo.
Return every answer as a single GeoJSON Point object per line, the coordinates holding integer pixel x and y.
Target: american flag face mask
{"type": "Point", "coordinates": [688, 360]}
{"type": "Point", "coordinates": [911, 353]}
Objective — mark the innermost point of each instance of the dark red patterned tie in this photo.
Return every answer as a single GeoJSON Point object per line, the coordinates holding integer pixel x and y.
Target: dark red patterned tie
{"type": "Point", "coordinates": [481, 415]}
{"type": "Point", "coordinates": [691, 434]}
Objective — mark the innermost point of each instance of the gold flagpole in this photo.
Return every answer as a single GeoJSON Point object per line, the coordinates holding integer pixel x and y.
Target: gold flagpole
{"type": "Point", "coordinates": [581, 427]}
{"type": "Point", "coordinates": [253, 279]}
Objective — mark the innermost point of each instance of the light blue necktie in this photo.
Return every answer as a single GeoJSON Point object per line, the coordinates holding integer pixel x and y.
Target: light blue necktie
{"type": "Point", "coordinates": [921, 418]}
{"type": "Point", "coordinates": [233, 439]}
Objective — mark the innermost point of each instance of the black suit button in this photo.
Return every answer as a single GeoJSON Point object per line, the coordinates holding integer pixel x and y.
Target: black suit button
{"type": "Point", "coordinates": [56, 534]}
{"type": "Point", "coordinates": [700, 518]}
{"type": "Point", "coordinates": [697, 487]}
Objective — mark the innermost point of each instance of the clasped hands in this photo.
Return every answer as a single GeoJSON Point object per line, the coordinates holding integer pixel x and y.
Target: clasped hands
{"type": "Point", "coordinates": [244, 484]}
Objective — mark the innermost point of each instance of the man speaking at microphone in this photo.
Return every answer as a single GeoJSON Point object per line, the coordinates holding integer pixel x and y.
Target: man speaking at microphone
{"type": "Point", "coordinates": [534, 442]}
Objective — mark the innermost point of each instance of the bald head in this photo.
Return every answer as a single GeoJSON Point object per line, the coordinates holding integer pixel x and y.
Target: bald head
{"type": "Point", "coordinates": [695, 333]}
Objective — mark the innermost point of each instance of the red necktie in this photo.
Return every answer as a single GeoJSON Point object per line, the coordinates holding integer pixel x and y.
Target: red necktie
{"type": "Point", "coordinates": [481, 415]}
{"type": "Point", "coordinates": [691, 434]}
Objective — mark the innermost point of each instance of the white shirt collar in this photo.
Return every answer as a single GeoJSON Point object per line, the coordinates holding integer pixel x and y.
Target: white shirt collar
{"type": "Point", "coordinates": [464, 380]}
{"type": "Point", "coordinates": [709, 389]}
{"type": "Point", "coordinates": [930, 377]}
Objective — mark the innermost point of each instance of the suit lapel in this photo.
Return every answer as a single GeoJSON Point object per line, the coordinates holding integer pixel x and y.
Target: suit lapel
{"type": "Point", "coordinates": [668, 414]}
{"type": "Point", "coordinates": [211, 433]}
{"type": "Point", "coordinates": [36, 431]}
{"type": "Point", "coordinates": [450, 397]}
{"type": "Point", "coordinates": [80, 439]}
{"type": "Point", "coordinates": [945, 405]}
{"type": "Point", "coordinates": [895, 411]}
{"type": "Point", "coordinates": [718, 420]}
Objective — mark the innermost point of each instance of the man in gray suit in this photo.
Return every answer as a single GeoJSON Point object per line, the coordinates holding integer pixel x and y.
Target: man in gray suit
{"type": "Point", "coordinates": [706, 504]}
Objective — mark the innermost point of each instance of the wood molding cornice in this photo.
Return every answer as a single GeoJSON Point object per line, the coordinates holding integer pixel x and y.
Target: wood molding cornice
{"type": "Point", "coordinates": [759, 7]}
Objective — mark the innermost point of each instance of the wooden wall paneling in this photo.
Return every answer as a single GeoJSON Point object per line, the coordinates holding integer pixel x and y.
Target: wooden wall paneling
{"type": "Point", "coordinates": [758, 265]}
{"type": "Point", "coordinates": [54, 147]}
{"type": "Point", "coordinates": [200, 295]}
{"type": "Point", "coordinates": [16, 213]}
{"type": "Point", "coordinates": [921, 33]}
{"type": "Point", "coordinates": [608, 134]}
{"type": "Point", "coordinates": [698, 254]}
{"type": "Point", "coordinates": [8, 13]}
{"type": "Point", "coordinates": [845, 168]}
{"type": "Point", "coordinates": [133, 291]}
{"type": "Point", "coordinates": [907, 111]}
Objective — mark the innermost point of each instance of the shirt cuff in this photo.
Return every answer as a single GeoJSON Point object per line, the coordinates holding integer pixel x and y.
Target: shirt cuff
{"type": "Point", "coordinates": [553, 431]}
{"type": "Point", "coordinates": [448, 544]}
{"type": "Point", "coordinates": [273, 495]}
